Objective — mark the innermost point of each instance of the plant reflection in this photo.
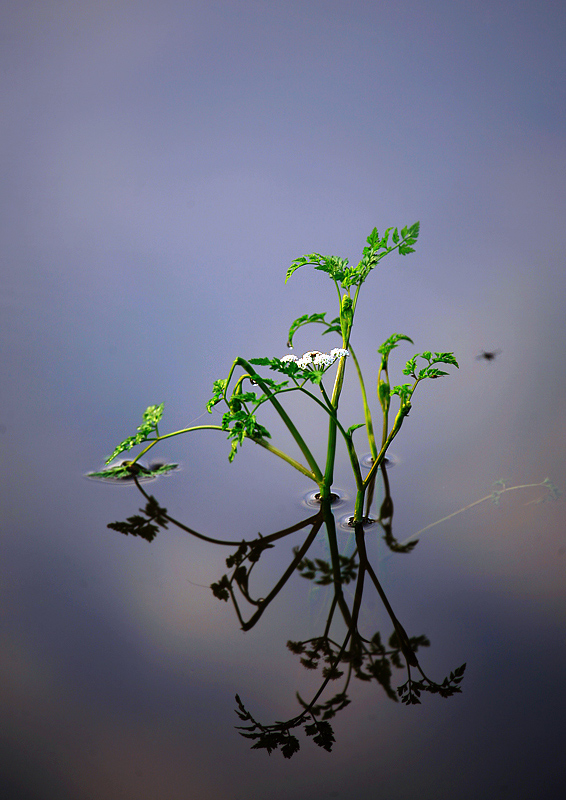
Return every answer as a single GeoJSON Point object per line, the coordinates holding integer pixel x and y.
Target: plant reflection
{"type": "Point", "coordinates": [354, 655]}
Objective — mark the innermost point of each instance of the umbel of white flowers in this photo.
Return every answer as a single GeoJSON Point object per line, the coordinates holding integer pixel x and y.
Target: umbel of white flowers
{"type": "Point", "coordinates": [317, 359]}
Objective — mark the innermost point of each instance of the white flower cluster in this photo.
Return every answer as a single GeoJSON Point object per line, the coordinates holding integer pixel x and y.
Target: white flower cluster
{"type": "Point", "coordinates": [317, 359]}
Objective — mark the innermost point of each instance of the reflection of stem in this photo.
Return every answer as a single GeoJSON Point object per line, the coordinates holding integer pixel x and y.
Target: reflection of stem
{"type": "Point", "coordinates": [351, 631]}
{"type": "Point", "coordinates": [401, 633]}
{"type": "Point", "coordinates": [317, 522]}
{"type": "Point", "coordinates": [491, 496]}
{"type": "Point", "coordinates": [272, 537]}
{"type": "Point", "coordinates": [335, 559]}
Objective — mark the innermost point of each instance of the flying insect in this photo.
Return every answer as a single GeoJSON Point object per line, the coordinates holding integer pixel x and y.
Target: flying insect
{"type": "Point", "coordinates": [488, 355]}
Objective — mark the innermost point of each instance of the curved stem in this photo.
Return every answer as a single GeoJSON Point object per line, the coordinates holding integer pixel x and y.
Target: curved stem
{"type": "Point", "coordinates": [285, 418]}
{"type": "Point", "coordinates": [367, 412]}
{"type": "Point", "coordinates": [296, 464]}
{"type": "Point", "coordinates": [175, 433]}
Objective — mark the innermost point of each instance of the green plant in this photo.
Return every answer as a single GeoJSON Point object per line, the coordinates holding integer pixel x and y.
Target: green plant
{"type": "Point", "coordinates": [241, 395]}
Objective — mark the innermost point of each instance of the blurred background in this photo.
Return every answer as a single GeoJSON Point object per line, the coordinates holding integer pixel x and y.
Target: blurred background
{"type": "Point", "coordinates": [162, 165]}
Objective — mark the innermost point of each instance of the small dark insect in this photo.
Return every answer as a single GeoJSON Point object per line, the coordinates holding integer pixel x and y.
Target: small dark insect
{"type": "Point", "coordinates": [488, 355]}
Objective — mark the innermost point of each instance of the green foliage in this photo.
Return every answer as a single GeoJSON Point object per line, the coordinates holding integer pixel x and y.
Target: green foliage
{"type": "Point", "coordinates": [290, 368]}
{"type": "Point", "coordinates": [377, 248]}
{"type": "Point", "coordinates": [390, 343]}
{"type": "Point", "coordinates": [127, 471]}
{"type": "Point", "coordinates": [427, 372]}
{"type": "Point", "coordinates": [151, 417]}
{"type": "Point", "coordinates": [241, 396]}
{"type": "Point", "coordinates": [306, 319]}
{"type": "Point", "coordinates": [218, 391]}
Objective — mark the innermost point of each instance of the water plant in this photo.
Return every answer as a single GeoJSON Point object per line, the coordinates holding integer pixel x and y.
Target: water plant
{"type": "Point", "coordinates": [241, 396]}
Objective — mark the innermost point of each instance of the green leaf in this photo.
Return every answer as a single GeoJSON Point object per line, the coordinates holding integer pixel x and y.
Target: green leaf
{"type": "Point", "coordinates": [435, 373]}
{"type": "Point", "coordinates": [353, 428]}
{"type": "Point", "coordinates": [404, 391]}
{"type": "Point", "coordinates": [126, 470]}
{"type": "Point", "coordinates": [445, 358]}
{"type": "Point", "coordinates": [218, 389]}
{"type": "Point", "coordinates": [392, 342]}
{"type": "Point", "coordinates": [411, 366]}
{"type": "Point", "coordinates": [151, 417]}
{"type": "Point", "coordinates": [304, 320]}
{"type": "Point", "coordinates": [312, 258]}
{"type": "Point", "coordinates": [373, 240]}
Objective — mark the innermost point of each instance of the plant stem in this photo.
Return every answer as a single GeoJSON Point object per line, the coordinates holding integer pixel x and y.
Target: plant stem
{"type": "Point", "coordinates": [285, 418]}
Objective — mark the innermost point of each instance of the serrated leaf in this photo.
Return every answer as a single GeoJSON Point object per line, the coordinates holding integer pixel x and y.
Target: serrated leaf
{"type": "Point", "coordinates": [312, 258]}
{"type": "Point", "coordinates": [151, 417]}
{"type": "Point", "coordinates": [305, 319]}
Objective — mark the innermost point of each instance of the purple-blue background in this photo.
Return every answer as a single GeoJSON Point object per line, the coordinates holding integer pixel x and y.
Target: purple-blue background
{"type": "Point", "coordinates": [162, 165]}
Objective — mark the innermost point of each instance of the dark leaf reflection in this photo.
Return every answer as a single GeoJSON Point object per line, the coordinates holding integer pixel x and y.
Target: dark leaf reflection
{"type": "Point", "coordinates": [353, 656]}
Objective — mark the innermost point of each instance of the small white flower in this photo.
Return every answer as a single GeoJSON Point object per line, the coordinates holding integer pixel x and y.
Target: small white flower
{"type": "Point", "coordinates": [322, 360]}
{"type": "Point", "coordinates": [307, 358]}
{"type": "Point", "coordinates": [288, 358]}
{"type": "Point", "coordinates": [338, 352]}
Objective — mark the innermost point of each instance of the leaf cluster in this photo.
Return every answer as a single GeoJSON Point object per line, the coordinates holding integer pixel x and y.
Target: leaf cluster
{"type": "Point", "coordinates": [411, 690]}
{"type": "Point", "coordinates": [429, 371]}
{"type": "Point", "coordinates": [151, 417]}
{"type": "Point", "coordinates": [146, 526]}
{"type": "Point", "coordinates": [406, 390]}
{"type": "Point", "coordinates": [127, 471]}
{"type": "Point", "coordinates": [278, 735]}
{"type": "Point", "coordinates": [290, 368]}
{"type": "Point", "coordinates": [241, 424]}
{"type": "Point", "coordinates": [328, 709]}
{"type": "Point", "coordinates": [247, 551]}
{"type": "Point", "coordinates": [367, 660]}
{"type": "Point", "coordinates": [321, 571]}
{"type": "Point", "coordinates": [378, 247]}
{"type": "Point", "coordinates": [306, 319]}
{"type": "Point", "coordinates": [389, 344]}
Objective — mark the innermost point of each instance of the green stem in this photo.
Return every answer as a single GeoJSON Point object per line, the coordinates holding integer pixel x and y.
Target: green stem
{"type": "Point", "coordinates": [285, 418]}
{"type": "Point", "coordinates": [381, 455]}
{"type": "Point", "coordinates": [296, 464]}
{"type": "Point", "coordinates": [367, 412]}
{"type": "Point", "coordinates": [176, 433]}
{"type": "Point", "coordinates": [332, 427]}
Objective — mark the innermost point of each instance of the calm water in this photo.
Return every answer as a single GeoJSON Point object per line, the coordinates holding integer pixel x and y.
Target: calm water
{"type": "Point", "coordinates": [155, 194]}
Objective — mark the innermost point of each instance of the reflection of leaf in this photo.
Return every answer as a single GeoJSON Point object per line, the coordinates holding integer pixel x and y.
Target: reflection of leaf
{"type": "Point", "coordinates": [410, 691]}
{"type": "Point", "coordinates": [145, 527]}
{"type": "Point", "coordinates": [321, 571]}
{"type": "Point", "coordinates": [221, 589]}
{"type": "Point", "coordinates": [271, 737]}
